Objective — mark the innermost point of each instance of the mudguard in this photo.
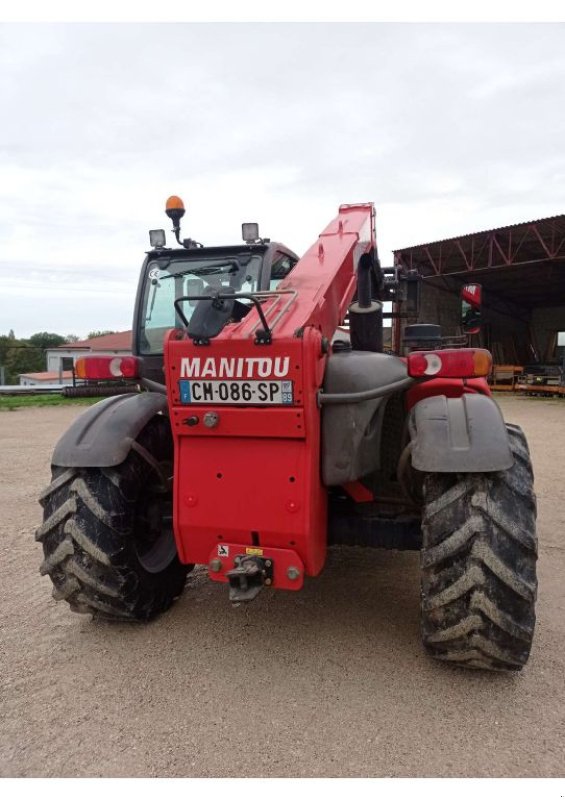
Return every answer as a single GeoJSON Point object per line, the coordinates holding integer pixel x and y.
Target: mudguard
{"type": "Point", "coordinates": [102, 436]}
{"type": "Point", "coordinates": [351, 432]}
{"type": "Point", "coordinates": [460, 434]}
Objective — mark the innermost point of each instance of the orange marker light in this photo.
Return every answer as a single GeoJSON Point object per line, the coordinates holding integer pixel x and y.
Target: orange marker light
{"type": "Point", "coordinates": [80, 368]}
{"type": "Point", "coordinates": [174, 203]}
{"type": "Point", "coordinates": [482, 362]}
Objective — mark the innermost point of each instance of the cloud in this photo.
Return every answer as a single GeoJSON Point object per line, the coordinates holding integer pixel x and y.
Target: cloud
{"type": "Point", "coordinates": [448, 128]}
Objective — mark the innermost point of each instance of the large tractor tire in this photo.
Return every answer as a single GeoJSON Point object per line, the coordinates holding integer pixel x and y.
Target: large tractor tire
{"type": "Point", "coordinates": [479, 564]}
{"type": "Point", "coordinates": [107, 534]}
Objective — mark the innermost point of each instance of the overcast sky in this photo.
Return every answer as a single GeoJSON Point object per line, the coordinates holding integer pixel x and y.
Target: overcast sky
{"type": "Point", "coordinates": [447, 128]}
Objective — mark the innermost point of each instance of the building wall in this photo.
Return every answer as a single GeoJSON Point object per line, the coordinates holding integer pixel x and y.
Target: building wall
{"type": "Point", "coordinates": [511, 340]}
{"type": "Point", "coordinates": [35, 382]}
{"type": "Point", "coordinates": [440, 308]}
{"type": "Point", "coordinates": [54, 356]}
{"type": "Point", "coordinates": [437, 307]}
{"type": "Point", "coordinates": [545, 324]}
{"type": "Point", "coordinates": [506, 336]}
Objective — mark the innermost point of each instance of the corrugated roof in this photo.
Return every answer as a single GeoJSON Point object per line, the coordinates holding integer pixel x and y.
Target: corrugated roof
{"type": "Point", "coordinates": [535, 248]}
{"type": "Point", "coordinates": [558, 218]}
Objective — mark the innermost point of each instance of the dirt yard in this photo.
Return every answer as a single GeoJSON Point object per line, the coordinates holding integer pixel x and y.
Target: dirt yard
{"type": "Point", "coordinates": [328, 682]}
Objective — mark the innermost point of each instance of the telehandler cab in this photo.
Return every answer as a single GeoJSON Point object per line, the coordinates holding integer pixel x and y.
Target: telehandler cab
{"type": "Point", "coordinates": [266, 432]}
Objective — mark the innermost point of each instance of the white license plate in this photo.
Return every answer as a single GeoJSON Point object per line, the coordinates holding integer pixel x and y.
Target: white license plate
{"type": "Point", "coordinates": [236, 392]}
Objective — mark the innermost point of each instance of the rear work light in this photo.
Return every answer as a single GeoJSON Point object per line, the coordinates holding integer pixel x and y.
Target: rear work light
{"type": "Point", "coordinates": [107, 368]}
{"type": "Point", "coordinates": [464, 363]}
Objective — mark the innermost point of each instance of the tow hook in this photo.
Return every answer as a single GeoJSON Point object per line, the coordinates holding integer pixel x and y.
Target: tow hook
{"type": "Point", "coordinates": [249, 576]}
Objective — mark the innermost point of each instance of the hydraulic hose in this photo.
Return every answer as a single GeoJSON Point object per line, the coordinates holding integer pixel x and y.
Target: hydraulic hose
{"type": "Point", "coordinates": [153, 386]}
{"type": "Point", "coordinates": [323, 399]}
{"type": "Point", "coordinates": [369, 394]}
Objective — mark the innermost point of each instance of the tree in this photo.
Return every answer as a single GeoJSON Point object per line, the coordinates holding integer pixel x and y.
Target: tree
{"type": "Point", "coordinates": [45, 340]}
{"type": "Point", "coordinates": [5, 346]}
{"type": "Point", "coordinates": [96, 334]}
{"type": "Point", "coordinates": [70, 338]}
{"type": "Point", "coordinates": [23, 358]}
{"type": "Point", "coordinates": [18, 356]}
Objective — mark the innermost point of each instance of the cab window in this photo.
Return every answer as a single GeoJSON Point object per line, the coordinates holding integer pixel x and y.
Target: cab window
{"type": "Point", "coordinates": [282, 265]}
{"type": "Point", "coordinates": [168, 281]}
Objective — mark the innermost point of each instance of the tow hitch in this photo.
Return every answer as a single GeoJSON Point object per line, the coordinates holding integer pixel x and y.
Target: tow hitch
{"type": "Point", "coordinates": [248, 578]}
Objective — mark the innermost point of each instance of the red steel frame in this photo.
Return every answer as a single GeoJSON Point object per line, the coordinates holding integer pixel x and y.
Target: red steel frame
{"type": "Point", "coordinates": [252, 483]}
{"type": "Point", "coordinates": [504, 247]}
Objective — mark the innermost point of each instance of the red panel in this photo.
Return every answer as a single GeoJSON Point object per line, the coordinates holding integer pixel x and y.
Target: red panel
{"type": "Point", "coordinates": [257, 475]}
{"type": "Point", "coordinates": [450, 387]}
{"type": "Point", "coordinates": [274, 423]}
{"type": "Point", "coordinates": [240, 487]}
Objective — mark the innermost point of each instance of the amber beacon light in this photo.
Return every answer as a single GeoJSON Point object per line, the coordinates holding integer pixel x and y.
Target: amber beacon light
{"type": "Point", "coordinates": [174, 208]}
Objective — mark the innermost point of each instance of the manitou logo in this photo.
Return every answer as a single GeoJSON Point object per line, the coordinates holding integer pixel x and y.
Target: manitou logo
{"type": "Point", "coordinates": [234, 367]}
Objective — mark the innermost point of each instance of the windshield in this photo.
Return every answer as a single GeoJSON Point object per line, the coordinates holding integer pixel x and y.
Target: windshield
{"type": "Point", "coordinates": [168, 280]}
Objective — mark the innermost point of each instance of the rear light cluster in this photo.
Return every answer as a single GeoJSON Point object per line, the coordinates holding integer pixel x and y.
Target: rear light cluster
{"type": "Point", "coordinates": [107, 368]}
{"type": "Point", "coordinates": [464, 363]}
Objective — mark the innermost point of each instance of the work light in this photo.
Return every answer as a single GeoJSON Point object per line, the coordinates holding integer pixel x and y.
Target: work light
{"type": "Point", "coordinates": [157, 238]}
{"type": "Point", "coordinates": [250, 232]}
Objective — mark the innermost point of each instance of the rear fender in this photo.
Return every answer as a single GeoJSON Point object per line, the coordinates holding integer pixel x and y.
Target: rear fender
{"type": "Point", "coordinates": [351, 432]}
{"type": "Point", "coordinates": [103, 435]}
{"type": "Point", "coordinates": [459, 434]}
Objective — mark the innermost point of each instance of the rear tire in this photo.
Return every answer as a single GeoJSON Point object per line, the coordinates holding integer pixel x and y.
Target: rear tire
{"type": "Point", "coordinates": [107, 534]}
{"type": "Point", "coordinates": [479, 564]}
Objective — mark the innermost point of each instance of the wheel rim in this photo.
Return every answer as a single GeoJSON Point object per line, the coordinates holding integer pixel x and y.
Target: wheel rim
{"type": "Point", "coordinates": [154, 538]}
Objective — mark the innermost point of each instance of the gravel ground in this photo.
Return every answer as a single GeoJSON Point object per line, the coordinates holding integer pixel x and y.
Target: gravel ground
{"type": "Point", "coordinates": [328, 682]}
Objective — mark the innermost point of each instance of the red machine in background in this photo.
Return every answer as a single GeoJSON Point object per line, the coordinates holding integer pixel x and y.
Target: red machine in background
{"type": "Point", "coordinates": [277, 433]}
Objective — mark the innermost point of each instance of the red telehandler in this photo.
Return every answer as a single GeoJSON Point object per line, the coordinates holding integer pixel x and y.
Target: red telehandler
{"type": "Point", "coordinates": [265, 432]}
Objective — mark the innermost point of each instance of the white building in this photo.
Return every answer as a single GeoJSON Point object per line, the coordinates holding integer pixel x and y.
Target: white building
{"type": "Point", "coordinates": [46, 378]}
{"type": "Point", "coordinates": [61, 359]}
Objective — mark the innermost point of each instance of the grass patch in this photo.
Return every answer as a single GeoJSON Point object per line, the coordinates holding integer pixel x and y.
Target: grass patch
{"type": "Point", "coordinates": [8, 403]}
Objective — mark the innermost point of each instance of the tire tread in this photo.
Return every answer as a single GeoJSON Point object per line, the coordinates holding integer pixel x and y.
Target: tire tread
{"type": "Point", "coordinates": [479, 564]}
{"type": "Point", "coordinates": [88, 539]}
